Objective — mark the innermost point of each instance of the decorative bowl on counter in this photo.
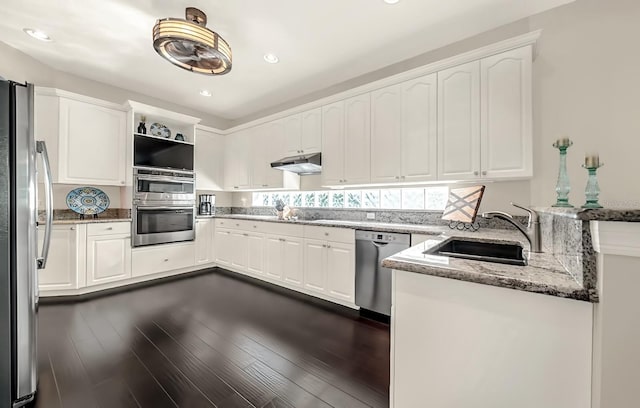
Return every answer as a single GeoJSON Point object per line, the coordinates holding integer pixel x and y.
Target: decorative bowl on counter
{"type": "Point", "coordinates": [88, 201]}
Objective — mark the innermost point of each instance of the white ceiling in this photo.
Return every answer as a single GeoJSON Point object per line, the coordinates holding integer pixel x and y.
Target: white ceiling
{"type": "Point", "coordinates": [319, 43]}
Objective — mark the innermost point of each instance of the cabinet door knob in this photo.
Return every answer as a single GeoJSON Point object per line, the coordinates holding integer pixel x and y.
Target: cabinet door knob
{"type": "Point", "coordinates": [484, 173]}
{"type": "Point", "coordinates": [326, 234]}
{"type": "Point", "coordinates": [109, 228]}
{"type": "Point", "coordinates": [72, 228]}
{"type": "Point", "coordinates": [328, 246]}
{"type": "Point", "coordinates": [324, 245]}
{"type": "Point", "coordinates": [403, 177]}
{"type": "Point", "coordinates": [166, 259]}
{"type": "Point", "coordinates": [255, 226]}
{"type": "Point", "coordinates": [475, 173]}
{"type": "Point", "coordinates": [246, 235]}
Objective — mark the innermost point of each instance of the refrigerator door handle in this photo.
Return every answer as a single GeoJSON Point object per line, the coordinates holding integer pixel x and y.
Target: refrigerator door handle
{"type": "Point", "coordinates": [41, 148]}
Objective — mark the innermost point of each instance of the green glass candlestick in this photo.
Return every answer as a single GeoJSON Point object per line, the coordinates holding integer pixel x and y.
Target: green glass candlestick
{"type": "Point", "coordinates": [563, 186]}
{"type": "Point", "coordinates": [592, 191]}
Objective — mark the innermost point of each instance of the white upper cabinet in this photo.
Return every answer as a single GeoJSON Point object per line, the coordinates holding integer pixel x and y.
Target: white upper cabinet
{"type": "Point", "coordinates": [505, 115]}
{"type": "Point", "coordinates": [484, 118]}
{"type": "Point", "coordinates": [303, 132]}
{"type": "Point", "coordinates": [237, 162]}
{"type": "Point", "coordinates": [357, 143]}
{"type": "Point", "coordinates": [386, 127]}
{"type": "Point", "coordinates": [404, 132]}
{"type": "Point", "coordinates": [292, 134]}
{"type": "Point", "coordinates": [419, 129]}
{"type": "Point", "coordinates": [333, 143]}
{"type": "Point", "coordinates": [86, 138]}
{"type": "Point", "coordinates": [459, 122]}
{"type": "Point", "coordinates": [346, 138]}
{"type": "Point", "coordinates": [311, 141]}
{"type": "Point", "coordinates": [209, 160]}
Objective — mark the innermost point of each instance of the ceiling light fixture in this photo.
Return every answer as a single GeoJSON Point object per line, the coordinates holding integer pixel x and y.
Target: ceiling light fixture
{"type": "Point", "coordinates": [391, 1]}
{"type": "Point", "coordinates": [190, 45]}
{"type": "Point", "coordinates": [271, 58]}
{"type": "Point", "coordinates": [37, 34]}
{"type": "Point", "coordinates": [204, 92]}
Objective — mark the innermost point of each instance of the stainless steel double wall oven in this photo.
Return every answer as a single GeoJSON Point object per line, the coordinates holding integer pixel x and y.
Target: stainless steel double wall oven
{"type": "Point", "coordinates": [163, 206]}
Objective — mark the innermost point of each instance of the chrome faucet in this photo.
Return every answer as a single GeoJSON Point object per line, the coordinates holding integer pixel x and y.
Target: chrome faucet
{"type": "Point", "coordinates": [532, 231]}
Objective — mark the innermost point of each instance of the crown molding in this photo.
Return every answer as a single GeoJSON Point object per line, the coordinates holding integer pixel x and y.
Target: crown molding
{"type": "Point", "coordinates": [165, 114]}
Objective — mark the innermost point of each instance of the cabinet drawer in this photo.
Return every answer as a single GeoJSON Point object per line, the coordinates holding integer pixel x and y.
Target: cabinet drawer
{"type": "Point", "coordinates": [289, 230]}
{"type": "Point", "coordinates": [233, 224]}
{"type": "Point", "coordinates": [147, 261]}
{"type": "Point", "coordinates": [109, 228]}
{"type": "Point", "coordinates": [344, 235]}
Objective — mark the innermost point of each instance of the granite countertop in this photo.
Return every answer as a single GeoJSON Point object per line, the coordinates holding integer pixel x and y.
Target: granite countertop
{"type": "Point", "coordinates": [594, 214]}
{"type": "Point", "coordinates": [543, 274]}
{"type": "Point", "coordinates": [361, 225]}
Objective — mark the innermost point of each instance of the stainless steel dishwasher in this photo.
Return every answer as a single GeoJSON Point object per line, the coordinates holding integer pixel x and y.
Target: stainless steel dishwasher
{"type": "Point", "coordinates": [373, 282]}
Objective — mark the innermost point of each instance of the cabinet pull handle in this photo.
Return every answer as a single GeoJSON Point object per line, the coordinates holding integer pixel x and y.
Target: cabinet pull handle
{"type": "Point", "coordinates": [328, 246]}
{"type": "Point", "coordinates": [166, 259]}
{"type": "Point", "coordinates": [475, 173]}
{"type": "Point", "coordinates": [246, 235]}
{"type": "Point", "coordinates": [326, 234]}
{"type": "Point", "coordinates": [484, 173]}
{"type": "Point", "coordinates": [72, 228]}
{"type": "Point", "coordinates": [255, 226]}
{"type": "Point", "coordinates": [324, 245]}
{"type": "Point", "coordinates": [109, 228]}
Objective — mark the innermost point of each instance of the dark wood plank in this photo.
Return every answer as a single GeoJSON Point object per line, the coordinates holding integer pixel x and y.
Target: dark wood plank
{"type": "Point", "coordinates": [284, 388]}
{"type": "Point", "coordinates": [181, 390]}
{"type": "Point", "coordinates": [114, 393]}
{"type": "Point", "coordinates": [209, 340]}
{"type": "Point", "coordinates": [73, 382]}
{"type": "Point", "coordinates": [212, 386]}
{"type": "Point", "coordinates": [217, 363]}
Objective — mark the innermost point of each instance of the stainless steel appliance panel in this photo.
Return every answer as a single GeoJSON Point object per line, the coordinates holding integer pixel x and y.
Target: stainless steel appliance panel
{"type": "Point", "coordinates": [373, 282]}
{"type": "Point", "coordinates": [163, 224]}
{"type": "Point", "coordinates": [20, 266]}
{"type": "Point", "coordinates": [153, 185]}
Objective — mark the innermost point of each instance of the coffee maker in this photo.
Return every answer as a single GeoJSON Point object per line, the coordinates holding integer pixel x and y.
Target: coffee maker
{"type": "Point", "coordinates": [207, 204]}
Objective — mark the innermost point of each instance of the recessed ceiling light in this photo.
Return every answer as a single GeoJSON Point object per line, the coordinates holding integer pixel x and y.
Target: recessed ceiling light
{"type": "Point", "coordinates": [271, 58]}
{"type": "Point", "coordinates": [37, 34]}
{"type": "Point", "coordinates": [391, 1]}
{"type": "Point", "coordinates": [204, 92]}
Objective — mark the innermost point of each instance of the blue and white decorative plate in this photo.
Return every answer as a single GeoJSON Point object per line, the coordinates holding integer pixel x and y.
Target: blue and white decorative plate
{"type": "Point", "coordinates": [160, 130]}
{"type": "Point", "coordinates": [87, 201]}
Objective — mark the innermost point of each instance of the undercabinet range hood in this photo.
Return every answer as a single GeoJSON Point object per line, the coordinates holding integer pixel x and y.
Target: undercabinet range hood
{"type": "Point", "coordinates": [302, 165]}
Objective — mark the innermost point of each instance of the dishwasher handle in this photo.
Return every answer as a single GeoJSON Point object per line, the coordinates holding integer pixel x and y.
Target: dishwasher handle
{"type": "Point", "coordinates": [379, 244]}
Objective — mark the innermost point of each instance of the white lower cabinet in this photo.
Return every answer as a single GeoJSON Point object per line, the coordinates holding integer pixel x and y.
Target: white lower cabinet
{"type": "Point", "coordinates": [314, 265]}
{"type": "Point", "coordinates": [108, 258]}
{"type": "Point", "coordinates": [274, 259]}
{"type": "Point", "coordinates": [341, 266]}
{"type": "Point", "coordinates": [239, 250]}
{"type": "Point", "coordinates": [284, 259]}
{"type": "Point", "coordinates": [459, 344]}
{"type": "Point", "coordinates": [222, 245]}
{"type": "Point", "coordinates": [292, 271]}
{"type": "Point", "coordinates": [255, 253]}
{"type": "Point", "coordinates": [65, 269]}
{"type": "Point", "coordinates": [330, 269]}
{"type": "Point", "coordinates": [204, 241]}
{"type": "Point", "coordinates": [162, 258]}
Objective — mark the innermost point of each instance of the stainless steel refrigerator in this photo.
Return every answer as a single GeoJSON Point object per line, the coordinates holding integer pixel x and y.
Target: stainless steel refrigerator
{"type": "Point", "coordinates": [20, 258]}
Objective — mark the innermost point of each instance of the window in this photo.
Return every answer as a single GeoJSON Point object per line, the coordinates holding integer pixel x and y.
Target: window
{"type": "Point", "coordinates": [429, 198]}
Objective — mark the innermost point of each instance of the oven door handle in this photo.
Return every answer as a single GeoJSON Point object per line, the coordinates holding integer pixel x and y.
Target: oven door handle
{"type": "Point", "coordinates": [164, 208]}
{"type": "Point", "coordinates": [167, 179]}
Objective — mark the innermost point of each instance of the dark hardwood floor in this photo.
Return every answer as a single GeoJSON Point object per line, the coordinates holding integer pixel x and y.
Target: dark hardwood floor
{"type": "Point", "coordinates": [208, 341]}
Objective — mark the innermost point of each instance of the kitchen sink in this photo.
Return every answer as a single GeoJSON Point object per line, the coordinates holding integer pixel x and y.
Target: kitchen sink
{"type": "Point", "coordinates": [511, 254]}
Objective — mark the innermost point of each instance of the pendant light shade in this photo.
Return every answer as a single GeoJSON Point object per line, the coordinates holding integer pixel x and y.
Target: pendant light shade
{"type": "Point", "coordinates": [190, 45]}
